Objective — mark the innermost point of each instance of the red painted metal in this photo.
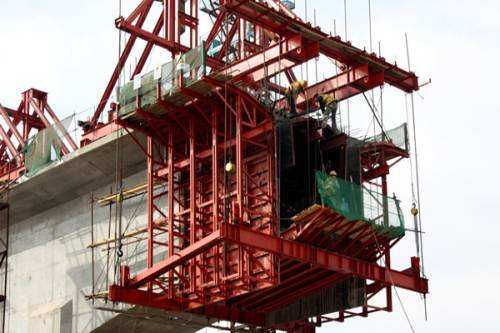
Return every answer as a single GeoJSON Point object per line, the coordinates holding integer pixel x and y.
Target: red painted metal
{"type": "Point", "coordinates": [33, 115]}
{"type": "Point", "coordinates": [214, 246]}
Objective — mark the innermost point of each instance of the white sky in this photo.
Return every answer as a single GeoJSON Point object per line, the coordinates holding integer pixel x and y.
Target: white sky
{"type": "Point", "coordinates": [69, 48]}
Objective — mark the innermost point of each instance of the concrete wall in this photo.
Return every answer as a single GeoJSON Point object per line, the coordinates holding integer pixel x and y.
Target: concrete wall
{"type": "Point", "coordinates": [50, 264]}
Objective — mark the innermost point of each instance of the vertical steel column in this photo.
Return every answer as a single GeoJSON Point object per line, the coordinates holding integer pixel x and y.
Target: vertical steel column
{"type": "Point", "coordinates": [192, 200]}
{"type": "Point", "coordinates": [170, 203]}
{"type": "Point", "coordinates": [193, 32]}
{"type": "Point", "coordinates": [165, 20]}
{"type": "Point", "coordinates": [241, 25]}
{"type": "Point", "coordinates": [215, 175]}
{"type": "Point", "coordinates": [239, 179]}
{"type": "Point", "coordinates": [150, 205]}
{"type": "Point", "coordinates": [215, 191]}
{"type": "Point", "coordinates": [239, 161]}
{"type": "Point", "coordinates": [169, 24]}
{"type": "Point", "coordinates": [272, 189]}
{"type": "Point", "coordinates": [26, 110]}
{"type": "Point", "coordinates": [387, 256]}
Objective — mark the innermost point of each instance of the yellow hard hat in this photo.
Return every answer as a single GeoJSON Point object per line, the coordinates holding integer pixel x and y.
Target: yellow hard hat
{"type": "Point", "coordinates": [229, 167]}
{"type": "Point", "coordinates": [414, 211]}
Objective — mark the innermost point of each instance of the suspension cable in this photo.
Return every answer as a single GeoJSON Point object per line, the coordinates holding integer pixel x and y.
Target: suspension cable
{"type": "Point", "coordinates": [417, 177]}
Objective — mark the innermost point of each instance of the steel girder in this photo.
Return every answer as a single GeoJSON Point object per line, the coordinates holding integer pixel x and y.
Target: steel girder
{"type": "Point", "coordinates": [33, 114]}
{"type": "Point", "coordinates": [217, 234]}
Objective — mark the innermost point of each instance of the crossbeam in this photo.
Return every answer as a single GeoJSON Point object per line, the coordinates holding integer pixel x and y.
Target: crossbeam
{"type": "Point", "coordinates": [171, 262]}
{"type": "Point", "coordinates": [221, 312]}
{"type": "Point", "coordinates": [333, 47]}
{"type": "Point", "coordinates": [150, 37]}
{"type": "Point", "coordinates": [322, 258]}
{"type": "Point", "coordinates": [343, 86]}
{"type": "Point", "coordinates": [285, 249]}
{"type": "Point", "coordinates": [276, 58]}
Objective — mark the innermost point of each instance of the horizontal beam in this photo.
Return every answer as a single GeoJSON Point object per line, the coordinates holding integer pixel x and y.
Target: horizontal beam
{"type": "Point", "coordinates": [333, 47]}
{"type": "Point", "coordinates": [32, 121]}
{"type": "Point", "coordinates": [154, 300]}
{"type": "Point", "coordinates": [8, 174]}
{"type": "Point", "coordinates": [343, 86]}
{"type": "Point", "coordinates": [171, 262]}
{"type": "Point", "coordinates": [141, 297]}
{"type": "Point", "coordinates": [322, 258]}
{"type": "Point", "coordinates": [100, 131]}
{"type": "Point", "coordinates": [272, 60]}
{"type": "Point", "coordinates": [247, 135]}
{"type": "Point", "coordinates": [285, 249]}
{"type": "Point", "coordinates": [150, 37]}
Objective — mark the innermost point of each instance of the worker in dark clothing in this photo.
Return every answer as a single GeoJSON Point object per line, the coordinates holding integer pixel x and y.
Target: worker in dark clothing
{"type": "Point", "coordinates": [329, 107]}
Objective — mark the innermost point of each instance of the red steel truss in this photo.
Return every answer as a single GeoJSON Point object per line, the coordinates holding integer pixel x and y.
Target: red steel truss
{"type": "Point", "coordinates": [214, 245]}
{"type": "Point", "coordinates": [33, 115]}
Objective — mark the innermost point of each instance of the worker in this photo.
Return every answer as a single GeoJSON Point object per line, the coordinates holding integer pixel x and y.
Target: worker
{"type": "Point", "coordinates": [328, 106]}
{"type": "Point", "coordinates": [291, 93]}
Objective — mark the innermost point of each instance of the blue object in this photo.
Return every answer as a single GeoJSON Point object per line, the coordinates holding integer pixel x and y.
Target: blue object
{"type": "Point", "coordinates": [290, 4]}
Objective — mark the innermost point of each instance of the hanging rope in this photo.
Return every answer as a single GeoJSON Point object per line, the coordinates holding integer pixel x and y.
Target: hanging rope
{"type": "Point", "coordinates": [375, 117]}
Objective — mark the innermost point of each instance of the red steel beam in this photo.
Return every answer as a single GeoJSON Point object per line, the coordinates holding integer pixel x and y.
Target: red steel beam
{"type": "Point", "coordinates": [247, 135]}
{"type": "Point", "coordinates": [221, 312]}
{"type": "Point", "coordinates": [11, 173]}
{"type": "Point", "coordinates": [139, 9]}
{"type": "Point", "coordinates": [216, 28]}
{"type": "Point", "coordinates": [56, 121]}
{"type": "Point", "coordinates": [140, 297]}
{"type": "Point", "coordinates": [343, 86]}
{"type": "Point", "coordinates": [229, 38]}
{"type": "Point", "coordinates": [144, 10]}
{"type": "Point", "coordinates": [150, 37]}
{"type": "Point", "coordinates": [5, 138]}
{"type": "Point", "coordinates": [266, 63]}
{"type": "Point", "coordinates": [278, 22]}
{"type": "Point", "coordinates": [322, 258]}
{"type": "Point", "coordinates": [165, 265]}
{"type": "Point", "coordinates": [12, 127]}
{"type": "Point", "coordinates": [148, 48]}
{"type": "Point", "coordinates": [285, 249]}
{"type": "Point", "coordinates": [40, 112]}
{"type": "Point", "coordinates": [171, 46]}
{"type": "Point", "coordinates": [21, 116]}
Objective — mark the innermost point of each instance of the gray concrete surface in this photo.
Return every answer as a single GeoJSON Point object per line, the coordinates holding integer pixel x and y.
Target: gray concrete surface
{"type": "Point", "coordinates": [50, 263]}
{"type": "Point", "coordinates": [78, 173]}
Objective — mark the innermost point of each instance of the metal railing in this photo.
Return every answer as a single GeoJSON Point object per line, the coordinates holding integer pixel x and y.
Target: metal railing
{"type": "Point", "coordinates": [357, 203]}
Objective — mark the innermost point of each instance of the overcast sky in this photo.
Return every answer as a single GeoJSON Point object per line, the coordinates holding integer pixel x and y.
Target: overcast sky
{"type": "Point", "coordinates": [69, 48]}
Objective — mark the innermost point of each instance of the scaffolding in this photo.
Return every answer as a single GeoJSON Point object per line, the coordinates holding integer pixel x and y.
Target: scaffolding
{"type": "Point", "coordinates": [169, 78]}
{"type": "Point", "coordinates": [357, 203]}
{"type": "Point", "coordinates": [210, 124]}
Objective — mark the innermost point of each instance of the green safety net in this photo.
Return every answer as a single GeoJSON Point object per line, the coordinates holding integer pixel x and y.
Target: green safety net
{"type": "Point", "coordinates": [182, 71]}
{"type": "Point", "coordinates": [46, 146]}
{"type": "Point", "coordinates": [397, 136]}
{"type": "Point", "coordinates": [357, 203]}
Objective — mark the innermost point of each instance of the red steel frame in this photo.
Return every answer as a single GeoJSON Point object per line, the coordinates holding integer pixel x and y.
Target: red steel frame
{"type": "Point", "coordinates": [33, 115]}
{"type": "Point", "coordinates": [213, 245]}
